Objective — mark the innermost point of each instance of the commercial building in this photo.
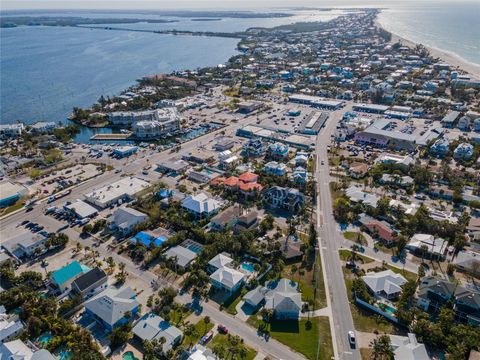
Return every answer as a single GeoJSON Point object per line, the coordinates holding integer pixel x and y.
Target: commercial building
{"type": "Point", "coordinates": [384, 133]}
{"type": "Point", "coordinates": [370, 108]}
{"type": "Point", "coordinates": [25, 245]}
{"type": "Point", "coordinates": [81, 209]}
{"type": "Point", "coordinates": [10, 193]}
{"type": "Point", "coordinates": [132, 117]}
{"type": "Point", "coordinates": [11, 130]}
{"type": "Point", "coordinates": [166, 123]}
{"type": "Point", "coordinates": [124, 189]}
{"type": "Point", "coordinates": [316, 101]}
{"type": "Point", "coordinates": [312, 124]}
{"type": "Point", "coordinates": [124, 151]}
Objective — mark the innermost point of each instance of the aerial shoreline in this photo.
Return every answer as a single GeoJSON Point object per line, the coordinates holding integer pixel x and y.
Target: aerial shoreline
{"type": "Point", "coordinates": [451, 58]}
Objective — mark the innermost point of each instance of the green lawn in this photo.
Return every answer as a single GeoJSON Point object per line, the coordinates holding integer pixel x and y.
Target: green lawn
{"type": "Point", "coordinates": [355, 236]}
{"type": "Point", "coordinates": [345, 255]}
{"type": "Point", "coordinates": [233, 347]}
{"type": "Point", "coordinates": [307, 286]}
{"type": "Point", "coordinates": [407, 274]}
{"type": "Point", "coordinates": [179, 314]}
{"type": "Point", "coordinates": [296, 335]}
{"type": "Point", "coordinates": [201, 328]}
{"type": "Point", "coordinates": [233, 301]}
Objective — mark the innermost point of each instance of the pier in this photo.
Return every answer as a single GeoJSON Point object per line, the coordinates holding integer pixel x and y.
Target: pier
{"type": "Point", "coordinates": [112, 137]}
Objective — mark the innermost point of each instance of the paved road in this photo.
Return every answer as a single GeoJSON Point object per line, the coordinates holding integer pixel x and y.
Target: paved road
{"type": "Point", "coordinates": [330, 240]}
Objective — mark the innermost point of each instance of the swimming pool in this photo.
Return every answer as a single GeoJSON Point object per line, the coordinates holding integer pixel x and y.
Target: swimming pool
{"type": "Point", "coordinates": [44, 339]}
{"type": "Point", "coordinates": [389, 309]}
{"type": "Point", "coordinates": [248, 267]}
{"type": "Point", "coordinates": [64, 355]}
{"type": "Point", "coordinates": [129, 356]}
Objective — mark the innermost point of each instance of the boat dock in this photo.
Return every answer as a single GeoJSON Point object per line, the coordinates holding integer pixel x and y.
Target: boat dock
{"type": "Point", "coordinates": [111, 137]}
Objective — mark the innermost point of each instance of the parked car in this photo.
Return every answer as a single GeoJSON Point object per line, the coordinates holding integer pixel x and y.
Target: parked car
{"type": "Point", "coordinates": [206, 338]}
{"type": "Point", "coordinates": [222, 329]}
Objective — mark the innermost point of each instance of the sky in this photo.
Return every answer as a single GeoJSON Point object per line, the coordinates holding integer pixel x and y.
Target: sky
{"type": "Point", "coordinates": [192, 4]}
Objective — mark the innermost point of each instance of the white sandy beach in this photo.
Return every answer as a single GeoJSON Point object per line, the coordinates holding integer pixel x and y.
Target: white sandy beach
{"type": "Point", "coordinates": [449, 58]}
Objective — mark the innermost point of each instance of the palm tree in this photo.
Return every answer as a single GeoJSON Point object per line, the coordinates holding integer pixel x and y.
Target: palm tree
{"type": "Point", "coordinates": [382, 348]}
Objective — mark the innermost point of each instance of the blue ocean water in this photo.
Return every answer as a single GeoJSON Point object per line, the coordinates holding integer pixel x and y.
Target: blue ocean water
{"type": "Point", "coordinates": [48, 70]}
{"type": "Point", "coordinates": [450, 26]}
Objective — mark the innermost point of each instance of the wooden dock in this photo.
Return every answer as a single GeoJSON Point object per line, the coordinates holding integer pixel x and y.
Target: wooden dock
{"type": "Point", "coordinates": [111, 137]}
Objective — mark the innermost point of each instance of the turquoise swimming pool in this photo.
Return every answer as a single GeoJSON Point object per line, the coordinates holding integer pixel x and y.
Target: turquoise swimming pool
{"type": "Point", "coordinates": [64, 355]}
{"type": "Point", "coordinates": [248, 267]}
{"type": "Point", "coordinates": [390, 310]}
{"type": "Point", "coordinates": [129, 356]}
{"type": "Point", "coordinates": [45, 338]}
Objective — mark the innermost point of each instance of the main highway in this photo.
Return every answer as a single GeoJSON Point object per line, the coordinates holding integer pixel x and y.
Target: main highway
{"type": "Point", "coordinates": [329, 244]}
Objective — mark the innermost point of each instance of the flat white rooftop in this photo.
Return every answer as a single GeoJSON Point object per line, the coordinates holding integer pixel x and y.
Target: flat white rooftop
{"type": "Point", "coordinates": [110, 193]}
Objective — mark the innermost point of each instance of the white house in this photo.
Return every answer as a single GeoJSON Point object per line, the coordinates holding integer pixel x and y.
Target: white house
{"type": "Point", "coordinates": [284, 299]}
{"type": "Point", "coordinates": [125, 218]}
{"type": "Point", "coordinates": [152, 326]}
{"type": "Point", "coordinates": [201, 205]}
{"type": "Point", "coordinates": [408, 348]}
{"type": "Point", "coordinates": [433, 246]}
{"type": "Point", "coordinates": [384, 283]}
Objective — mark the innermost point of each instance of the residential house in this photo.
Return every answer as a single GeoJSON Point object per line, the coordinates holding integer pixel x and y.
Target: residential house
{"type": "Point", "coordinates": [299, 175]}
{"type": "Point", "coordinates": [464, 151]}
{"type": "Point", "coordinates": [63, 277]}
{"type": "Point", "coordinates": [219, 261]}
{"type": "Point", "coordinates": [380, 230]}
{"type": "Point", "coordinates": [356, 195]}
{"type": "Point", "coordinates": [468, 262]}
{"type": "Point", "coordinates": [408, 348]}
{"type": "Point", "coordinates": [275, 168]}
{"type": "Point", "coordinates": [427, 245]}
{"type": "Point", "coordinates": [90, 283]}
{"type": "Point", "coordinates": [253, 148]}
{"type": "Point", "coordinates": [254, 298]}
{"type": "Point", "coordinates": [201, 205]}
{"type": "Point", "coordinates": [402, 181]}
{"type": "Point", "coordinates": [467, 306]}
{"type": "Point", "coordinates": [246, 222]}
{"type": "Point", "coordinates": [433, 293]}
{"type": "Point", "coordinates": [283, 198]}
{"type": "Point", "coordinates": [284, 299]}
{"type": "Point", "coordinates": [440, 147]}
{"type": "Point", "coordinates": [385, 284]}
{"type": "Point", "coordinates": [113, 307]}
{"type": "Point", "coordinates": [358, 170]}
{"type": "Point", "coordinates": [153, 327]}
{"type": "Point", "coordinates": [18, 350]}
{"type": "Point", "coordinates": [278, 151]}
{"type": "Point", "coordinates": [225, 219]}
{"type": "Point", "coordinates": [10, 326]}
{"type": "Point", "coordinates": [181, 255]}
{"type": "Point", "coordinates": [301, 159]}
{"type": "Point", "coordinates": [124, 219]}
{"type": "Point", "coordinates": [199, 352]}
{"type": "Point", "coordinates": [227, 279]}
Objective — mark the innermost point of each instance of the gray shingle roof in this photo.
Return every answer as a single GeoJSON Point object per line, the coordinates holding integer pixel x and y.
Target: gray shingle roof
{"type": "Point", "coordinates": [112, 304]}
